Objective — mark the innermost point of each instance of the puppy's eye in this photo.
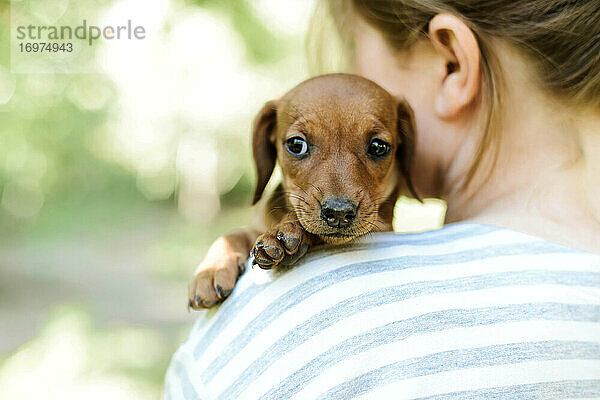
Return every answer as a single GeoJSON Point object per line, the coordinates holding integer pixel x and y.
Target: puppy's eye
{"type": "Point", "coordinates": [296, 146]}
{"type": "Point", "coordinates": [378, 148]}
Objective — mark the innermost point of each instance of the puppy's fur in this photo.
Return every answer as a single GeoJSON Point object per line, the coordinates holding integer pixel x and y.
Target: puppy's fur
{"type": "Point", "coordinates": [345, 148]}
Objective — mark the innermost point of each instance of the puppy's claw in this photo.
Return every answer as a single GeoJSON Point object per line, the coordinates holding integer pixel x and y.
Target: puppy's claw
{"type": "Point", "coordinates": [214, 280]}
{"type": "Point", "coordinates": [266, 265]}
{"type": "Point", "coordinates": [262, 261]}
{"type": "Point", "coordinates": [223, 293]}
{"type": "Point", "coordinates": [284, 244]}
{"type": "Point", "coordinates": [241, 269]}
{"type": "Point", "coordinates": [274, 252]}
{"type": "Point", "coordinates": [290, 243]}
{"type": "Point", "coordinates": [293, 258]}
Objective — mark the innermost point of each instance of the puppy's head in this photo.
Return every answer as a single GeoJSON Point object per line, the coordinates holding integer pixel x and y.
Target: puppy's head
{"type": "Point", "coordinates": [344, 145]}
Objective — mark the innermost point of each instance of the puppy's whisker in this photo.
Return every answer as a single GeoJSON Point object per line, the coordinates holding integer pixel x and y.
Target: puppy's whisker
{"type": "Point", "coordinates": [298, 197]}
{"type": "Point", "coordinates": [310, 194]}
{"type": "Point", "coordinates": [318, 190]}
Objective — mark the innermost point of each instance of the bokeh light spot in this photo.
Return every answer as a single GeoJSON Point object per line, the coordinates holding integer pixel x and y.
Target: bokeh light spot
{"type": "Point", "coordinates": [22, 199]}
{"type": "Point", "coordinates": [8, 84]}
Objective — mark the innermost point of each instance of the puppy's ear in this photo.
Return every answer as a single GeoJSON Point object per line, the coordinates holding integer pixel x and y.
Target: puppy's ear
{"type": "Point", "coordinates": [407, 142]}
{"type": "Point", "coordinates": [263, 148]}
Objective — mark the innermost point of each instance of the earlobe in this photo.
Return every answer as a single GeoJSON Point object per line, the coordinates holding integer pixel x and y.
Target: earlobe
{"type": "Point", "coordinates": [460, 53]}
{"type": "Point", "coordinates": [263, 149]}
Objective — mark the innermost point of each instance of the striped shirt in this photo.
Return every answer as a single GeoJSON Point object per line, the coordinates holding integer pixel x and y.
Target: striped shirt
{"type": "Point", "coordinates": [468, 311]}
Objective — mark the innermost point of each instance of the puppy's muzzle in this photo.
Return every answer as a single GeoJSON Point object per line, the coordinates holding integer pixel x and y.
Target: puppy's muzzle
{"type": "Point", "coordinates": [338, 212]}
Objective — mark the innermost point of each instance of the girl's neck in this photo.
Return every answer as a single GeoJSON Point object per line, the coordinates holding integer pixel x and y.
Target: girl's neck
{"type": "Point", "coordinates": [546, 180]}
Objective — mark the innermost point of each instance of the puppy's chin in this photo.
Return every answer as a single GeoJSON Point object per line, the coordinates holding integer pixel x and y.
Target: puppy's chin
{"type": "Point", "coordinates": [337, 240]}
{"type": "Point", "coordinates": [324, 233]}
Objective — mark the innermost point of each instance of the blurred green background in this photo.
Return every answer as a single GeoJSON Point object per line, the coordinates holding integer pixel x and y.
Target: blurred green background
{"type": "Point", "coordinates": [112, 186]}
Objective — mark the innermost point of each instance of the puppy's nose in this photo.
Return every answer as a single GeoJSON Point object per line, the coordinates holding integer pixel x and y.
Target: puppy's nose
{"type": "Point", "coordinates": [338, 212]}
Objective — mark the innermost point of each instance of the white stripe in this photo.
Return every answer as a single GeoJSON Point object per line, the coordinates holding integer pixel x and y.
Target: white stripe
{"type": "Point", "coordinates": [384, 314]}
{"type": "Point", "coordinates": [451, 339]}
{"type": "Point", "coordinates": [310, 269]}
{"type": "Point", "coordinates": [204, 320]}
{"type": "Point", "coordinates": [486, 377]}
{"type": "Point", "coordinates": [378, 237]}
{"type": "Point", "coordinates": [581, 398]}
{"type": "Point", "coordinates": [450, 229]}
{"type": "Point", "coordinates": [446, 230]}
{"type": "Point", "coordinates": [354, 287]}
{"type": "Point", "coordinates": [174, 381]}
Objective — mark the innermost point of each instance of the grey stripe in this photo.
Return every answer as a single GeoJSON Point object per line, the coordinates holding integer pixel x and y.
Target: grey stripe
{"type": "Point", "coordinates": [460, 229]}
{"type": "Point", "coordinates": [430, 322]}
{"type": "Point", "coordinates": [354, 305]}
{"type": "Point", "coordinates": [318, 283]}
{"type": "Point", "coordinates": [234, 304]}
{"type": "Point", "coordinates": [184, 382]}
{"type": "Point", "coordinates": [541, 391]}
{"type": "Point", "coordinates": [396, 239]}
{"type": "Point", "coordinates": [458, 359]}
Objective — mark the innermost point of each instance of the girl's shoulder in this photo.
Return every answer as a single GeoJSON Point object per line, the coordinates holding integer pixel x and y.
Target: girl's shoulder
{"type": "Point", "coordinates": [403, 313]}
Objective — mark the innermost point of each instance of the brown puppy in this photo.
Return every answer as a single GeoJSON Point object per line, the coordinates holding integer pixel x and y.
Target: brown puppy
{"type": "Point", "coordinates": [344, 146]}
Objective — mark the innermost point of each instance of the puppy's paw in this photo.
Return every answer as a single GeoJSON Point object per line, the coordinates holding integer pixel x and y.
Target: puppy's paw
{"type": "Point", "coordinates": [284, 244]}
{"type": "Point", "coordinates": [214, 281]}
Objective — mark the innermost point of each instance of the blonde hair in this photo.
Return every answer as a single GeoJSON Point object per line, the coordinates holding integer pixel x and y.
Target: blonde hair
{"type": "Point", "coordinates": [561, 38]}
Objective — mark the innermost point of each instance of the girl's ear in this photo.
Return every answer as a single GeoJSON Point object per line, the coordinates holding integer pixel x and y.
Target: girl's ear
{"type": "Point", "coordinates": [457, 45]}
{"type": "Point", "coordinates": [406, 143]}
{"type": "Point", "coordinates": [263, 148]}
